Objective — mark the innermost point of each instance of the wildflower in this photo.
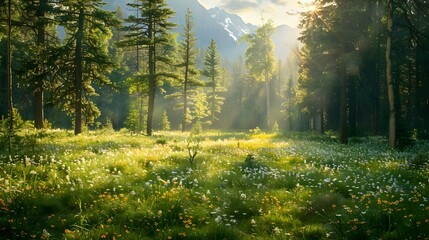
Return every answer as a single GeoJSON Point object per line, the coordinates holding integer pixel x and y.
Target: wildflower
{"type": "Point", "coordinates": [45, 234]}
{"type": "Point", "coordinates": [218, 219]}
{"type": "Point", "coordinates": [277, 230]}
{"type": "Point", "coordinates": [33, 172]}
{"type": "Point", "coordinates": [243, 196]}
{"type": "Point", "coordinates": [253, 222]}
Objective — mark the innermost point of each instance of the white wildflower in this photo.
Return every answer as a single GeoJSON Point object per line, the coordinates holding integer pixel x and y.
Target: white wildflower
{"type": "Point", "coordinates": [45, 234]}
{"type": "Point", "coordinates": [277, 230]}
{"type": "Point", "coordinates": [253, 222]}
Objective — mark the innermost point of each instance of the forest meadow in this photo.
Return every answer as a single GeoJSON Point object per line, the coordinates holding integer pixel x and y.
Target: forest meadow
{"type": "Point", "coordinates": [118, 120]}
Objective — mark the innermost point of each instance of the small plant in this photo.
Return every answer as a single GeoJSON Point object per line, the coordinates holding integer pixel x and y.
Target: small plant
{"type": "Point", "coordinates": [197, 128]}
{"type": "Point", "coordinates": [161, 141]}
{"type": "Point", "coordinates": [165, 123]}
{"type": "Point", "coordinates": [255, 131]}
{"type": "Point", "coordinates": [10, 133]}
{"type": "Point", "coordinates": [276, 128]}
{"type": "Point", "coordinates": [194, 147]}
{"type": "Point", "coordinates": [250, 160]}
{"type": "Point", "coordinates": [421, 160]}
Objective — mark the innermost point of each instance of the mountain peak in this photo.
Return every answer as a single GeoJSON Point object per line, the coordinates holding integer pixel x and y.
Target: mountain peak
{"type": "Point", "coordinates": [232, 23]}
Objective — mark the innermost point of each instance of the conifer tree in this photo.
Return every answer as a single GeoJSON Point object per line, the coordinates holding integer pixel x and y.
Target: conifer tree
{"type": "Point", "coordinates": [260, 60]}
{"type": "Point", "coordinates": [38, 20]}
{"type": "Point", "coordinates": [150, 30]}
{"type": "Point", "coordinates": [85, 59]}
{"type": "Point", "coordinates": [187, 55]}
{"type": "Point", "coordinates": [212, 71]}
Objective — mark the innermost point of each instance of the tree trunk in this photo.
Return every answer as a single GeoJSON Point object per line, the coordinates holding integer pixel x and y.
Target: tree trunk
{"type": "Point", "coordinates": [139, 92]}
{"type": "Point", "coordinates": [9, 71]}
{"type": "Point", "coordinates": [152, 77]}
{"type": "Point", "coordinates": [213, 100]}
{"type": "Point", "coordinates": [9, 77]}
{"type": "Point", "coordinates": [185, 91]}
{"type": "Point", "coordinates": [38, 91]}
{"type": "Point", "coordinates": [352, 107]}
{"type": "Point", "coordinates": [412, 91]}
{"type": "Point", "coordinates": [3, 81]}
{"type": "Point", "coordinates": [389, 78]}
{"type": "Point", "coordinates": [322, 115]}
{"type": "Point", "coordinates": [79, 74]}
{"type": "Point", "coordinates": [267, 90]}
{"type": "Point", "coordinates": [343, 105]}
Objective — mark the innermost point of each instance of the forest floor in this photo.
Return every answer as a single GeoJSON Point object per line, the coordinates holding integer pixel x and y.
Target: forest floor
{"type": "Point", "coordinates": [216, 185]}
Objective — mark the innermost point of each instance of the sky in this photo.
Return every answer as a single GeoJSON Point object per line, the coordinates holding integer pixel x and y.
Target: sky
{"type": "Point", "coordinates": [253, 11]}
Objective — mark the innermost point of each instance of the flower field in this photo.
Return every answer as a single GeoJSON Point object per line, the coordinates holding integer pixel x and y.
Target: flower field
{"type": "Point", "coordinates": [113, 185]}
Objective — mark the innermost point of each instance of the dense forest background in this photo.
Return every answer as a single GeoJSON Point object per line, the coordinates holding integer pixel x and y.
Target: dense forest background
{"type": "Point", "coordinates": [361, 68]}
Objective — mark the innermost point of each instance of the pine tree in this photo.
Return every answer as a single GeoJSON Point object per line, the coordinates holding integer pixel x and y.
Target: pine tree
{"type": "Point", "coordinates": [187, 55]}
{"type": "Point", "coordinates": [212, 71]}
{"type": "Point", "coordinates": [150, 30]}
{"type": "Point", "coordinates": [165, 123]}
{"type": "Point", "coordinates": [41, 26]}
{"type": "Point", "coordinates": [389, 78]}
{"type": "Point", "coordinates": [85, 58]}
{"type": "Point", "coordinates": [260, 60]}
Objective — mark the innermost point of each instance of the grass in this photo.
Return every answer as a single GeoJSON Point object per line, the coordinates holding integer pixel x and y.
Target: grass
{"type": "Point", "coordinates": [112, 185]}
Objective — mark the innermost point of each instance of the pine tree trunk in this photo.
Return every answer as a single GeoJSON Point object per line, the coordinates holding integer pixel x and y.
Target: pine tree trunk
{"type": "Point", "coordinates": [322, 115]}
{"type": "Point", "coordinates": [9, 71]}
{"type": "Point", "coordinates": [343, 106]}
{"type": "Point", "coordinates": [267, 90]}
{"type": "Point", "coordinates": [139, 93]}
{"type": "Point", "coordinates": [152, 78]}
{"type": "Point", "coordinates": [3, 81]}
{"type": "Point", "coordinates": [79, 74]}
{"type": "Point", "coordinates": [352, 107]}
{"type": "Point", "coordinates": [38, 91]}
{"type": "Point", "coordinates": [389, 78]}
{"type": "Point", "coordinates": [213, 101]}
{"type": "Point", "coordinates": [412, 91]}
{"type": "Point", "coordinates": [185, 93]}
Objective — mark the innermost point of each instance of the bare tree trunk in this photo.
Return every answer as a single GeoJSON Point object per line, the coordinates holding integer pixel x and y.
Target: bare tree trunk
{"type": "Point", "coordinates": [322, 115]}
{"type": "Point", "coordinates": [139, 92]}
{"type": "Point", "coordinates": [213, 101]}
{"type": "Point", "coordinates": [185, 92]}
{"type": "Point", "coordinates": [389, 78]}
{"type": "Point", "coordinates": [152, 78]}
{"type": "Point", "coordinates": [351, 90]}
{"type": "Point", "coordinates": [38, 91]}
{"type": "Point", "coordinates": [9, 74]}
{"type": "Point", "coordinates": [79, 74]}
{"type": "Point", "coordinates": [343, 105]}
{"type": "Point", "coordinates": [267, 90]}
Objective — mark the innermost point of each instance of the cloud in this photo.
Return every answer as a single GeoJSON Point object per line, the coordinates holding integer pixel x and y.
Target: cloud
{"type": "Point", "coordinates": [240, 5]}
{"type": "Point", "coordinates": [280, 2]}
{"type": "Point", "coordinates": [248, 5]}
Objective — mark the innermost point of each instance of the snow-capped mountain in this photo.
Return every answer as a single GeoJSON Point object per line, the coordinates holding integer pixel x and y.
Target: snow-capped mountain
{"type": "Point", "coordinates": [233, 24]}
{"type": "Point", "coordinates": [225, 28]}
